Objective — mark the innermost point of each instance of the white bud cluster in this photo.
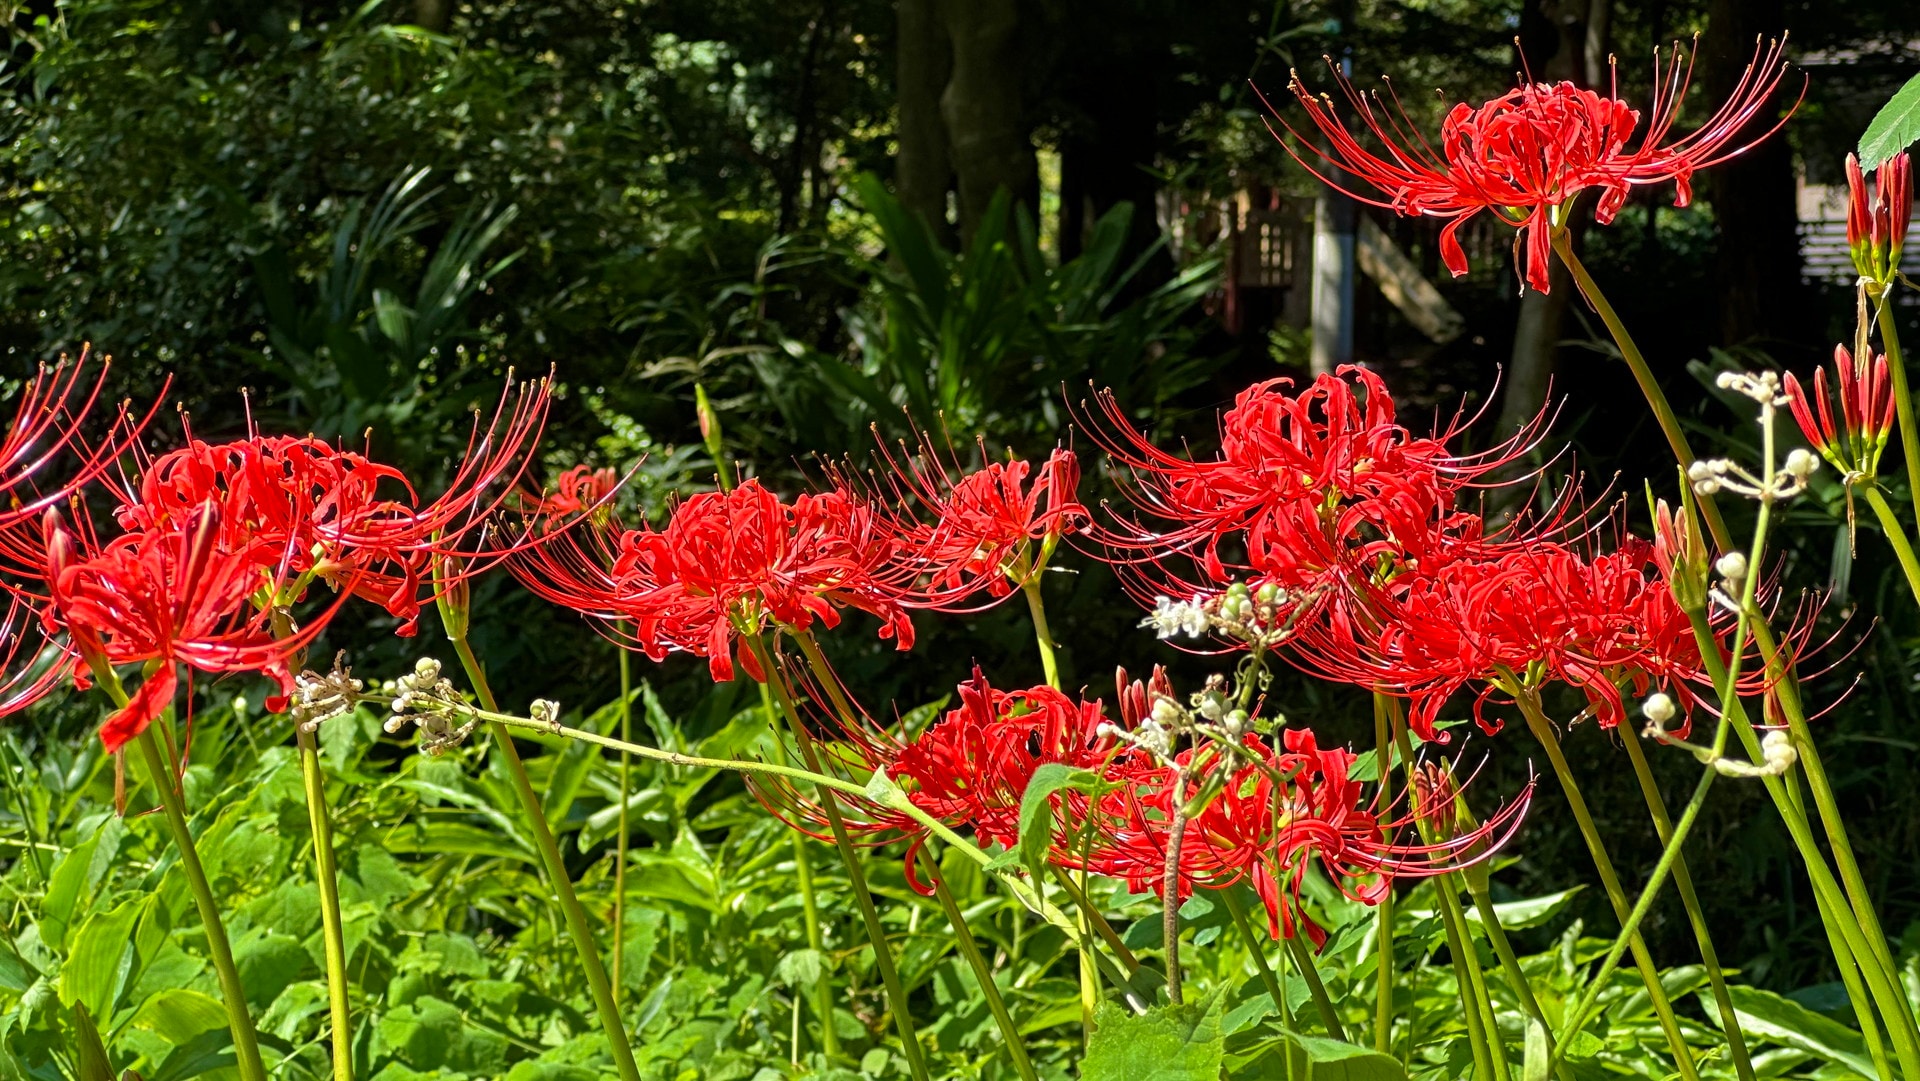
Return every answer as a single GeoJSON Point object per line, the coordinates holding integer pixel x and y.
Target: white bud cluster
{"type": "Point", "coordinates": [1762, 387]}
{"type": "Point", "coordinates": [1171, 618]}
{"type": "Point", "coordinates": [319, 698]}
{"type": "Point", "coordinates": [1713, 475]}
{"type": "Point", "coordinates": [432, 704]}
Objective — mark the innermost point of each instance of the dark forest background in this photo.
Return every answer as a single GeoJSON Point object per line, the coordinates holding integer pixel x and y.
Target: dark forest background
{"type": "Point", "coordinates": [841, 214]}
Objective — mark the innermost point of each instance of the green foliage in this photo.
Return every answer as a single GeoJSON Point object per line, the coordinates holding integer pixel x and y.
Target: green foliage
{"type": "Point", "coordinates": [1168, 1043]}
{"type": "Point", "coordinates": [1894, 128]}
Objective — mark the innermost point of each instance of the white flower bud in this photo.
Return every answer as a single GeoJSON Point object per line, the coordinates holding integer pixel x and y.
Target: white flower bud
{"type": "Point", "coordinates": [1732, 566]}
{"type": "Point", "coordinates": [1658, 708]}
{"type": "Point", "coordinates": [1801, 463]}
{"type": "Point", "coordinates": [1699, 471]}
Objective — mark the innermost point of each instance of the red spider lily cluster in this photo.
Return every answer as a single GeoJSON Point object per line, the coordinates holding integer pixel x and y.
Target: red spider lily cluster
{"type": "Point", "coordinates": [1526, 155]}
{"type": "Point", "coordinates": [212, 547]}
{"type": "Point", "coordinates": [1382, 575]}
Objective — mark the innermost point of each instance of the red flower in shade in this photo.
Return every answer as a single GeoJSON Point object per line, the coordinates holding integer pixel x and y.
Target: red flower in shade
{"type": "Point", "coordinates": [580, 490]}
{"type": "Point", "coordinates": [1877, 226]}
{"type": "Point", "coordinates": [727, 564]}
{"type": "Point", "coordinates": [169, 595]}
{"type": "Point", "coordinates": [1305, 486]}
{"type": "Point", "coordinates": [1528, 153]}
{"type": "Point", "coordinates": [1854, 444]}
{"type": "Point", "coordinates": [985, 532]}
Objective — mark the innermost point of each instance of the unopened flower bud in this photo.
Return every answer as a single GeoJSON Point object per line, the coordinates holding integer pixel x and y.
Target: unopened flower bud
{"type": "Point", "coordinates": [1732, 566]}
{"type": "Point", "coordinates": [1167, 712]}
{"type": "Point", "coordinates": [1658, 708]}
{"type": "Point", "coordinates": [1267, 594]}
{"type": "Point", "coordinates": [1801, 463]}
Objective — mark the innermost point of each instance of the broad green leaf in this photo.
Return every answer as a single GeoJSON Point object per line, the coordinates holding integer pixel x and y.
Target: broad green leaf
{"type": "Point", "coordinates": [179, 1015]}
{"type": "Point", "coordinates": [1336, 1060]}
{"type": "Point", "coordinates": [1783, 1021]}
{"type": "Point", "coordinates": [102, 958]}
{"type": "Point", "coordinates": [1894, 128]}
{"type": "Point", "coordinates": [16, 974]}
{"type": "Point", "coordinates": [1036, 809]}
{"type": "Point", "coordinates": [1530, 912]}
{"type": "Point", "coordinates": [1168, 1043]}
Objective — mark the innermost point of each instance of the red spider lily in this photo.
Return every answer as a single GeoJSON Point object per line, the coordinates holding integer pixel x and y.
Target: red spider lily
{"type": "Point", "coordinates": [727, 564]}
{"type": "Point", "coordinates": [309, 507]}
{"type": "Point", "coordinates": [48, 419]}
{"type": "Point", "coordinates": [1877, 227]}
{"type": "Point", "coordinates": [162, 597]}
{"type": "Point", "coordinates": [1273, 813]}
{"type": "Point", "coordinates": [1305, 486]}
{"type": "Point", "coordinates": [1527, 154]}
{"type": "Point", "coordinates": [1853, 445]}
{"type": "Point", "coordinates": [1523, 615]}
{"type": "Point", "coordinates": [984, 533]}
{"type": "Point", "coordinates": [577, 491]}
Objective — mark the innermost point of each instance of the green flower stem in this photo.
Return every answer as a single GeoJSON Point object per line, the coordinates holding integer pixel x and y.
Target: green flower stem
{"type": "Point", "coordinates": [163, 770]}
{"type": "Point", "coordinates": [1509, 960]}
{"type": "Point", "coordinates": [1642, 959]}
{"type": "Point", "coordinates": [810, 909]}
{"type": "Point", "coordinates": [1863, 1011]}
{"type": "Point", "coordinates": [1238, 910]}
{"type": "Point", "coordinates": [1683, 882]}
{"type": "Point", "coordinates": [621, 839]}
{"type": "Point", "coordinates": [327, 875]}
{"type": "Point", "coordinates": [570, 910]}
{"type": "Point", "coordinates": [1049, 663]}
{"type": "Point", "coordinates": [1459, 948]}
{"type": "Point", "coordinates": [1099, 921]}
{"type": "Point", "coordinates": [1643, 375]}
{"type": "Point", "coordinates": [876, 934]}
{"type": "Point", "coordinates": [1884, 314]}
{"type": "Point", "coordinates": [816, 941]}
{"type": "Point", "coordinates": [1309, 972]}
{"type": "Point", "coordinates": [1384, 968]}
{"type": "Point", "coordinates": [1897, 537]}
{"type": "Point", "coordinates": [983, 975]}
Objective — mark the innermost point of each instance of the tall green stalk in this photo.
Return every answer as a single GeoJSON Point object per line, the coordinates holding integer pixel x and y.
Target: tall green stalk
{"type": "Point", "coordinates": [1042, 636]}
{"type": "Point", "coordinates": [556, 868]}
{"type": "Point", "coordinates": [1238, 910]}
{"type": "Point", "coordinates": [1384, 968]}
{"type": "Point", "coordinates": [621, 839]}
{"type": "Point", "coordinates": [1884, 315]}
{"type": "Point", "coordinates": [1683, 882]}
{"type": "Point", "coordinates": [164, 771]}
{"type": "Point", "coordinates": [983, 975]}
{"type": "Point", "coordinates": [1317, 989]}
{"type": "Point", "coordinates": [1460, 950]}
{"type": "Point", "coordinates": [332, 935]}
{"type": "Point", "coordinates": [1610, 880]}
{"type": "Point", "coordinates": [856, 876]}
{"type": "Point", "coordinates": [1897, 537]}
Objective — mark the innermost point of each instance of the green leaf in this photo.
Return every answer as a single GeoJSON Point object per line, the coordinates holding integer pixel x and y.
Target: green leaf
{"type": "Point", "coordinates": [179, 1015]}
{"type": "Point", "coordinates": [1786, 1022]}
{"type": "Point", "coordinates": [1336, 1060]}
{"type": "Point", "coordinates": [1584, 1044]}
{"type": "Point", "coordinates": [801, 968]}
{"type": "Point", "coordinates": [1036, 809]}
{"type": "Point", "coordinates": [1167, 1043]}
{"type": "Point", "coordinates": [90, 1054]}
{"type": "Point", "coordinates": [1530, 912]}
{"type": "Point", "coordinates": [1536, 1064]}
{"type": "Point", "coordinates": [1894, 128]}
{"type": "Point", "coordinates": [102, 958]}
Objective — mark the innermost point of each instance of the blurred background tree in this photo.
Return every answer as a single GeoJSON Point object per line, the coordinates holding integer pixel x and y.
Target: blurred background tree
{"type": "Point", "coordinates": [839, 214]}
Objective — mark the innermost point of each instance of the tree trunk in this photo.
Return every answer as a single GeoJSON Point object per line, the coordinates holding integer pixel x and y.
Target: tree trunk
{"type": "Point", "coordinates": [434, 15]}
{"type": "Point", "coordinates": [1761, 296]}
{"type": "Point", "coordinates": [986, 130]}
{"type": "Point", "coordinates": [803, 156]}
{"type": "Point", "coordinates": [922, 172]}
{"type": "Point", "coordinates": [1560, 39]}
